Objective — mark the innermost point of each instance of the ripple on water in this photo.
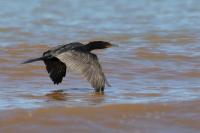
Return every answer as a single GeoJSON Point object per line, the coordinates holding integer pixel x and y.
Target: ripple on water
{"type": "Point", "coordinates": [154, 72]}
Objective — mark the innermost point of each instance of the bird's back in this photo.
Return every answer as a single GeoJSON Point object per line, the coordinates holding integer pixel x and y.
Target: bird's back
{"type": "Point", "coordinates": [62, 48]}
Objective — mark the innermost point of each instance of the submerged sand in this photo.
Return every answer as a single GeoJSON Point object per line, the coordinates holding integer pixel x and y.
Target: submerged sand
{"type": "Point", "coordinates": [129, 118]}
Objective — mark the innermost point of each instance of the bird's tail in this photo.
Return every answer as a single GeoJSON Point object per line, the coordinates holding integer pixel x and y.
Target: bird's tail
{"type": "Point", "coordinates": [35, 59]}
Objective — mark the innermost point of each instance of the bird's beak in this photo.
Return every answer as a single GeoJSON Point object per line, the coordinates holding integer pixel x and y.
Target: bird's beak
{"type": "Point", "coordinates": [114, 45]}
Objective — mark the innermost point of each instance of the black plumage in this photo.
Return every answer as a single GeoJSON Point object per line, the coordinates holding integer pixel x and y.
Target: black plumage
{"type": "Point", "coordinates": [75, 57]}
{"type": "Point", "coordinates": [56, 69]}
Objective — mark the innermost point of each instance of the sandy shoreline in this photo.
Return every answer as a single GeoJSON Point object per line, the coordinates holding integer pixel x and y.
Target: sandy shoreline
{"type": "Point", "coordinates": [133, 118]}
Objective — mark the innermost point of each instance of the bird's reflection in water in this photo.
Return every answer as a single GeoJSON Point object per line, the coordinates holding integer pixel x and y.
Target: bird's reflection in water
{"type": "Point", "coordinates": [59, 95]}
{"type": "Point", "coordinates": [94, 98]}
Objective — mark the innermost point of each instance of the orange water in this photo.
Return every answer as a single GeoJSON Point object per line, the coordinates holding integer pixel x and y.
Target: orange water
{"type": "Point", "coordinates": [154, 72]}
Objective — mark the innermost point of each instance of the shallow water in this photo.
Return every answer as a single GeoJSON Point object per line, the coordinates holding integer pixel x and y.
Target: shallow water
{"type": "Point", "coordinates": [155, 66]}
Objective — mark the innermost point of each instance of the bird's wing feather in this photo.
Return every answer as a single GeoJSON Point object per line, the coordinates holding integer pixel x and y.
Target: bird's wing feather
{"type": "Point", "coordinates": [56, 70]}
{"type": "Point", "coordinates": [86, 64]}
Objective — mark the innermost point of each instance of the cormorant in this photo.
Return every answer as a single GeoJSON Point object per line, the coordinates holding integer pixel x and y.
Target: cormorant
{"type": "Point", "coordinates": [75, 57]}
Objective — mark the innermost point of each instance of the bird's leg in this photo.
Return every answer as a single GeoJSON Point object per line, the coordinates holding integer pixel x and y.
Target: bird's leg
{"type": "Point", "coordinates": [100, 90]}
{"type": "Point", "coordinates": [58, 91]}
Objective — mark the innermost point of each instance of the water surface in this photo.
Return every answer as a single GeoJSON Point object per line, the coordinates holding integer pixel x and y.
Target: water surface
{"type": "Point", "coordinates": [156, 65]}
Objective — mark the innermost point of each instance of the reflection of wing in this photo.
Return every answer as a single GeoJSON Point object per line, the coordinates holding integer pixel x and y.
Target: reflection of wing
{"type": "Point", "coordinates": [56, 70]}
{"type": "Point", "coordinates": [86, 64]}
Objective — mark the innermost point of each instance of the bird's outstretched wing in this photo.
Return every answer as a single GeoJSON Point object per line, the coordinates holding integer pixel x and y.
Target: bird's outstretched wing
{"type": "Point", "coordinates": [86, 64]}
{"type": "Point", "coordinates": [56, 69]}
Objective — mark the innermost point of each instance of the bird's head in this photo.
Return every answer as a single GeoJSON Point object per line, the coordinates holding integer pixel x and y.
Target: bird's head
{"type": "Point", "coordinates": [101, 44]}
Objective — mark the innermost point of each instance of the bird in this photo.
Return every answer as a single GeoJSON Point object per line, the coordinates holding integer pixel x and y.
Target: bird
{"type": "Point", "coordinates": [75, 57]}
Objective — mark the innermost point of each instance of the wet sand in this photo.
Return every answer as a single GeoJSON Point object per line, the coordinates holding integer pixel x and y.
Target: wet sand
{"type": "Point", "coordinates": [118, 118]}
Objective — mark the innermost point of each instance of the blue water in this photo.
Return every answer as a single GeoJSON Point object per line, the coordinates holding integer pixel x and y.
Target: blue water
{"type": "Point", "coordinates": [48, 21]}
{"type": "Point", "coordinates": [157, 59]}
